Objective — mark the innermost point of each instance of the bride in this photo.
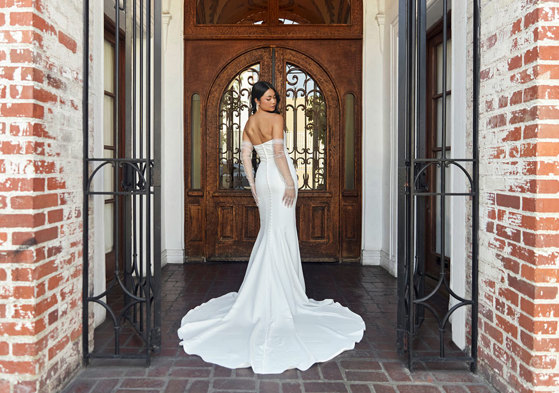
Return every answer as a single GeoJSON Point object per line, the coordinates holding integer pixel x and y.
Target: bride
{"type": "Point", "coordinates": [270, 324]}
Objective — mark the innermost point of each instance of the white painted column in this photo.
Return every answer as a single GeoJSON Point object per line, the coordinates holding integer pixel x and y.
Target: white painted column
{"type": "Point", "coordinates": [374, 138]}
{"type": "Point", "coordinates": [96, 97]}
{"type": "Point", "coordinates": [390, 192]}
{"type": "Point", "coordinates": [458, 134]}
{"type": "Point", "coordinates": [172, 138]}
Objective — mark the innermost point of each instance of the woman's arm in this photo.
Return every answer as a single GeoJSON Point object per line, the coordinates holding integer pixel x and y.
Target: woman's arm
{"type": "Point", "coordinates": [246, 159]}
{"type": "Point", "coordinates": [279, 151]}
{"type": "Point", "coordinates": [281, 161]}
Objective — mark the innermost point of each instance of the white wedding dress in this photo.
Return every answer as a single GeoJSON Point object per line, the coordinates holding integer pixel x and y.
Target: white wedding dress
{"type": "Point", "coordinates": [270, 324]}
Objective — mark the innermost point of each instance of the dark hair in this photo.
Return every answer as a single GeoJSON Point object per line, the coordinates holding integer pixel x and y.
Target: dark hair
{"type": "Point", "coordinates": [258, 91]}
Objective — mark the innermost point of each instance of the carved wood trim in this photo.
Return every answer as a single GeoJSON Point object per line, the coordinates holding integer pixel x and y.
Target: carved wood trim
{"type": "Point", "coordinates": [193, 31]}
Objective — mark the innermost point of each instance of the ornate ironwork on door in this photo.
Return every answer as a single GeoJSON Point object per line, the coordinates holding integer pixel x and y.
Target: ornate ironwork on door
{"type": "Point", "coordinates": [423, 177]}
{"type": "Point", "coordinates": [132, 295]}
{"type": "Point", "coordinates": [306, 123]}
{"type": "Point", "coordinates": [234, 111]}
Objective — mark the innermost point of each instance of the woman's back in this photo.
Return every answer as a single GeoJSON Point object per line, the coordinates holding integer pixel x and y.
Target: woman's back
{"type": "Point", "coordinates": [260, 126]}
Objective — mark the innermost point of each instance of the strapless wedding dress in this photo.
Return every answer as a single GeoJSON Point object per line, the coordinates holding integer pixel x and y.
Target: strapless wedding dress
{"type": "Point", "coordinates": [270, 324]}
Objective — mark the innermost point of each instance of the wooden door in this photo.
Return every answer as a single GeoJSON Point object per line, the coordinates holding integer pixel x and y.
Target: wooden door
{"type": "Point", "coordinates": [221, 220]}
{"type": "Point", "coordinates": [308, 102]}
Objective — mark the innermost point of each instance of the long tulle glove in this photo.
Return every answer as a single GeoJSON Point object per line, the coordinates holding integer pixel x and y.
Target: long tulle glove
{"type": "Point", "coordinates": [246, 159]}
{"type": "Point", "coordinates": [253, 190]}
{"type": "Point", "coordinates": [281, 162]}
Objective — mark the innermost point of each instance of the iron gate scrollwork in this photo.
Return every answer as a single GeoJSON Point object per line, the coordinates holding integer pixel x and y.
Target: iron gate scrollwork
{"type": "Point", "coordinates": [416, 301]}
{"type": "Point", "coordinates": [132, 295]}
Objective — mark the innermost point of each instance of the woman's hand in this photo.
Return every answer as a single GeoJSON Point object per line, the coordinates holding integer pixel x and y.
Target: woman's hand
{"type": "Point", "coordinates": [289, 196]}
{"type": "Point", "coordinates": [253, 189]}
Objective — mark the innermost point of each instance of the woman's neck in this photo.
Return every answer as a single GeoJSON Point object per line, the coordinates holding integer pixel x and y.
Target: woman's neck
{"type": "Point", "coordinates": [264, 110]}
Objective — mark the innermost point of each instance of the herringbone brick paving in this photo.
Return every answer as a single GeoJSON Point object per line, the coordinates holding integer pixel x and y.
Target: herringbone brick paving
{"type": "Point", "coordinates": [372, 367]}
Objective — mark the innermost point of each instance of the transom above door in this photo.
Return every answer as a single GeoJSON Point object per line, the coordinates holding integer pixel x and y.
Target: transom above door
{"type": "Point", "coordinates": [257, 19]}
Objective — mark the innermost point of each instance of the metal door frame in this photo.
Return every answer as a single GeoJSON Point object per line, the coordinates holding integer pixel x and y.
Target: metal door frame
{"type": "Point", "coordinates": [137, 184]}
{"type": "Point", "coordinates": [412, 302]}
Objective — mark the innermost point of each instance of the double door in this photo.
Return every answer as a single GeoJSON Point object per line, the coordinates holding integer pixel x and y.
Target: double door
{"type": "Point", "coordinates": [222, 219]}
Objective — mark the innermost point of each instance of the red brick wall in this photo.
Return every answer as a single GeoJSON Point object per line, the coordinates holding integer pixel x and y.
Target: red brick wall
{"type": "Point", "coordinates": [40, 193]}
{"type": "Point", "coordinates": [519, 205]}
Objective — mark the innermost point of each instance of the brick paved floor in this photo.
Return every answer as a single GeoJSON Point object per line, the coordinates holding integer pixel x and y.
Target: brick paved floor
{"type": "Point", "coordinates": [373, 366]}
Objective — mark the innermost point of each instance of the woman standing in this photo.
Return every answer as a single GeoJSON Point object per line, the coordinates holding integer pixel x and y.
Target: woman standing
{"type": "Point", "coordinates": [270, 324]}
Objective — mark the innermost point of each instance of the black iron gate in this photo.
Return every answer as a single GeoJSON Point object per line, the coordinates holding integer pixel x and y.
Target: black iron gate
{"type": "Point", "coordinates": [132, 181]}
{"type": "Point", "coordinates": [417, 301]}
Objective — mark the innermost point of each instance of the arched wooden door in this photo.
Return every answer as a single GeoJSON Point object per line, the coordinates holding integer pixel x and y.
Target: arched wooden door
{"type": "Point", "coordinates": [309, 104]}
{"type": "Point", "coordinates": [312, 52]}
{"type": "Point", "coordinates": [320, 86]}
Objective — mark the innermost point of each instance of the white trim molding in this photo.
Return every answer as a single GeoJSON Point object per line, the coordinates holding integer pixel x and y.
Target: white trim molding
{"type": "Point", "coordinates": [166, 18]}
{"type": "Point", "coordinates": [388, 263]}
{"type": "Point", "coordinates": [380, 22]}
{"type": "Point", "coordinates": [175, 256]}
{"type": "Point", "coordinates": [371, 257]}
{"type": "Point", "coordinates": [392, 266]}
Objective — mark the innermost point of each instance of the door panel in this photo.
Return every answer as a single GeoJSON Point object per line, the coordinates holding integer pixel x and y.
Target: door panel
{"type": "Point", "coordinates": [252, 222]}
{"type": "Point", "coordinates": [226, 218]}
{"type": "Point", "coordinates": [319, 219]}
{"type": "Point", "coordinates": [349, 227]}
{"type": "Point", "coordinates": [195, 221]}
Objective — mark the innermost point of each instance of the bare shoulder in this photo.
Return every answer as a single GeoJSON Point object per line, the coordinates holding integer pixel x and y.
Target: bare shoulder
{"type": "Point", "coordinates": [249, 129]}
{"type": "Point", "coordinates": [276, 119]}
{"type": "Point", "coordinates": [249, 122]}
{"type": "Point", "coordinates": [277, 126]}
